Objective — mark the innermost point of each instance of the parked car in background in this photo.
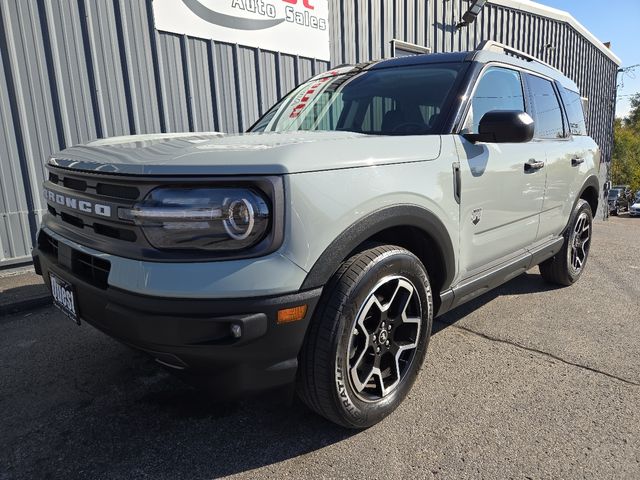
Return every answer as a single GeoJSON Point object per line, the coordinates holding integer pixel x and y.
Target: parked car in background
{"type": "Point", "coordinates": [634, 209]}
{"type": "Point", "coordinates": [626, 191]}
{"type": "Point", "coordinates": [618, 201]}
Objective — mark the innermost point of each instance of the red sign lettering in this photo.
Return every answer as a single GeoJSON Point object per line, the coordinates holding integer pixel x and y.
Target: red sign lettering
{"type": "Point", "coordinates": [306, 3]}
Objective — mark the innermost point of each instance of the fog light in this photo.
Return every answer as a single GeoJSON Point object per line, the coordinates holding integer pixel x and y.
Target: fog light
{"type": "Point", "coordinates": [292, 314]}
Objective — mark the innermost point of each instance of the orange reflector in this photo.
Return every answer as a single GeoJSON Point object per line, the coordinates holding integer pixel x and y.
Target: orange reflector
{"type": "Point", "coordinates": [293, 314]}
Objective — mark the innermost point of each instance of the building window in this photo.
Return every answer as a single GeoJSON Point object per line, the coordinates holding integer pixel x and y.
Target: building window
{"type": "Point", "coordinates": [404, 49]}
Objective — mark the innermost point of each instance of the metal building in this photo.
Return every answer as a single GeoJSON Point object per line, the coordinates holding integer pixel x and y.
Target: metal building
{"type": "Point", "coordinates": [76, 70]}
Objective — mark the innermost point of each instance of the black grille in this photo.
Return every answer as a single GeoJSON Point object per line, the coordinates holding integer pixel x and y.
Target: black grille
{"type": "Point", "coordinates": [92, 189]}
{"type": "Point", "coordinates": [118, 233]}
{"type": "Point", "coordinates": [72, 219]}
{"type": "Point", "coordinates": [72, 201]}
{"type": "Point", "coordinates": [75, 184]}
{"type": "Point", "coordinates": [124, 234]}
{"type": "Point", "coordinates": [91, 269]}
{"type": "Point", "coordinates": [118, 191]}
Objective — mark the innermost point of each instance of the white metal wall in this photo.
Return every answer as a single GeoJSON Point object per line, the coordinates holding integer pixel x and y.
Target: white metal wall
{"type": "Point", "coordinates": [75, 70]}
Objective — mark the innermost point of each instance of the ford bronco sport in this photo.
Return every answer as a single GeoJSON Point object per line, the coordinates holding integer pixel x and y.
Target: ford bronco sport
{"type": "Point", "coordinates": [317, 248]}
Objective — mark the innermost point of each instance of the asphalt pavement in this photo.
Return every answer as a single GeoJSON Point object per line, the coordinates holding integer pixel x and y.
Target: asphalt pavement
{"type": "Point", "coordinates": [527, 381]}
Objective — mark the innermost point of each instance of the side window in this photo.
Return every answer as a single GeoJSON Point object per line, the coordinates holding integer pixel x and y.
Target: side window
{"type": "Point", "coordinates": [573, 104]}
{"type": "Point", "coordinates": [498, 89]}
{"type": "Point", "coordinates": [546, 108]}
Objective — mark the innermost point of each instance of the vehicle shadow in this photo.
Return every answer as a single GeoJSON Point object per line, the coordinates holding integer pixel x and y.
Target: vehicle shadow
{"type": "Point", "coordinates": [103, 410]}
{"type": "Point", "coordinates": [529, 282]}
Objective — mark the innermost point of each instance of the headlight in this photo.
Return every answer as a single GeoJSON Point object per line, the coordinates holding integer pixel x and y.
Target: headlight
{"type": "Point", "coordinates": [210, 219]}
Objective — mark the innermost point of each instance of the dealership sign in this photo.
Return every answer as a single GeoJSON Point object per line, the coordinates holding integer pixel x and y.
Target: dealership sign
{"type": "Point", "coordinates": [298, 27]}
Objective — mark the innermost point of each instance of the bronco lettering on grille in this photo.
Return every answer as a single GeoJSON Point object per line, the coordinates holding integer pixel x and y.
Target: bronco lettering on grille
{"type": "Point", "coordinates": [75, 204]}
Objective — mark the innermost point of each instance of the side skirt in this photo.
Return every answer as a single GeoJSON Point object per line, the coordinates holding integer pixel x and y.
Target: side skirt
{"type": "Point", "coordinates": [474, 286]}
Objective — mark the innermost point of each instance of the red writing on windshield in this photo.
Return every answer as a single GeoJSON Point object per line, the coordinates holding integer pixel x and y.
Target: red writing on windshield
{"type": "Point", "coordinates": [297, 110]}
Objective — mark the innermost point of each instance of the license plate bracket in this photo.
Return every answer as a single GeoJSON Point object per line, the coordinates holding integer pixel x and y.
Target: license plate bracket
{"type": "Point", "coordinates": [64, 297]}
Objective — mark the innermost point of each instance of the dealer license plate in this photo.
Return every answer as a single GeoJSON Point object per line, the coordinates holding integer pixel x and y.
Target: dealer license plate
{"type": "Point", "coordinates": [64, 297]}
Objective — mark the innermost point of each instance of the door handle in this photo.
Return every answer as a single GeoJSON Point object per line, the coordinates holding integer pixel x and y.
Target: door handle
{"type": "Point", "coordinates": [577, 161]}
{"type": "Point", "coordinates": [533, 165]}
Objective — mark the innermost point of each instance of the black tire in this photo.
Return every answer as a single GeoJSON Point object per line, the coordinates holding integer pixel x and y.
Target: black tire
{"type": "Point", "coordinates": [324, 381]}
{"type": "Point", "coordinates": [561, 269]}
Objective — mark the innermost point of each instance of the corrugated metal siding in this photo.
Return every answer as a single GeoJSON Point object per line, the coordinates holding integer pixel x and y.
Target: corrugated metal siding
{"type": "Point", "coordinates": [75, 70]}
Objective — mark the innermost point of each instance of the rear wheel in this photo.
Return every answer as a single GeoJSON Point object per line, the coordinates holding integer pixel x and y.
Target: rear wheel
{"type": "Point", "coordinates": [567, 266]}
{"type": "Point", "coordinates": [368, 339]}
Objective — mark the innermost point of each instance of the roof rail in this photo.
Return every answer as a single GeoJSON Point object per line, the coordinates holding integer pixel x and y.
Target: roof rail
{"type": "Point", "coordinates": [493, 46]}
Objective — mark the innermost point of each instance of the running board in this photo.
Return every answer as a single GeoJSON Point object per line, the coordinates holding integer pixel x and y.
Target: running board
{"type": "Point", "coordinates": [476, 285]}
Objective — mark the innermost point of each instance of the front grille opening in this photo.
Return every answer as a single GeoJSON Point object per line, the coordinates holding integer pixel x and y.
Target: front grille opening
{"type": "Point", "coordinates": [118, 191]}
{"type": "Point", "coordinates": [52, 210]}
{"type": "Point", "coordinates": [75, 184]}
{"type": "Point", "coordinates": [53, 178]}
{"type": "Point", "coordinates": [92, 269]}
{"type": "Point", "coordinates": [118, 233]}
{"type": "Point", "coordinates": [48, 244]}
{"type": "Point", "coordinates": [71, 219]}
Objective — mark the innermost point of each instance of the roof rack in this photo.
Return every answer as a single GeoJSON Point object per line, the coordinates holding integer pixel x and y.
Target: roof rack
{"type": "Point", "coordinates": [493, 46]}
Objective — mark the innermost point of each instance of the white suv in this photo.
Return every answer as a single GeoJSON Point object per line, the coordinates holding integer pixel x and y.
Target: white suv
{"type": "Point", "coordinates": [318, 247]}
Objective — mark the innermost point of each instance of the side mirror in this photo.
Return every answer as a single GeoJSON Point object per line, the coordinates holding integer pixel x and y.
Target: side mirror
{"type": "Point", "coordinates": [504, 126]}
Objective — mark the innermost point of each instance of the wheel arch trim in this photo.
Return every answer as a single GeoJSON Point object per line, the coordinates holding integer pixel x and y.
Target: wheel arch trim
{"type": "Point", "coordinates": [403, 215]}
{"type": "Point", "coordinates": [591, 181]}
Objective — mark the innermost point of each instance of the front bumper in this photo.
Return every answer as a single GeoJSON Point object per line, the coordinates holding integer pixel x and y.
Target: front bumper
{"type": "Point", "coordinates": [194, 336]}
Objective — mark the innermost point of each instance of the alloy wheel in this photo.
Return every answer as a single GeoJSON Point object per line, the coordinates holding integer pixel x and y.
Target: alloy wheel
{"type": "Point", "coordinates": [384, 338]}
{"type": "Point", "coordinates": [580, 242]}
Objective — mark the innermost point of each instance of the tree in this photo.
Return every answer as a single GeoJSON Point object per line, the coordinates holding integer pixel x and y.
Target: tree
{"type": "Point", "coordinates": [625, 162]}
{"type": "Point", "coordinates": [633, 120]}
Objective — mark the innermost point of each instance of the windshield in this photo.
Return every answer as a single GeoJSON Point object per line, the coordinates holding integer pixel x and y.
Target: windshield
{"type": "Point", "coordinates": [403, 100]}
{"type": "Point", "coordinates": [614, 193]}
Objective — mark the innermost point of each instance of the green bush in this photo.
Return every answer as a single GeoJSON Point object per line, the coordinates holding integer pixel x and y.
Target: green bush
{"type": "Point", "coordinates": [625, 164]}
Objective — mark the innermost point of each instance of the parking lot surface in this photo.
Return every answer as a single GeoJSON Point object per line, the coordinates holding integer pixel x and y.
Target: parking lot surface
{"type": "Point", "coordinates": [527, 381]}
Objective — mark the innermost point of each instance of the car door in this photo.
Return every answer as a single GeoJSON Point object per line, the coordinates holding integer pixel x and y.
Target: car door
{"type": "Point", "coordinates": [564, 153]}
{"type": "Point", "coordinates": [500, 197]}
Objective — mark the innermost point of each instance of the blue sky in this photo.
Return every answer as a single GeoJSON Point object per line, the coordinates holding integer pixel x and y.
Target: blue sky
{"type": "Point", "coordinates": [615, 21]}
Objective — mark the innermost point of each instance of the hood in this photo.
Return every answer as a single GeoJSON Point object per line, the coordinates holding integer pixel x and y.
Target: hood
{"type": "Point", "coordinates": [244, 154]}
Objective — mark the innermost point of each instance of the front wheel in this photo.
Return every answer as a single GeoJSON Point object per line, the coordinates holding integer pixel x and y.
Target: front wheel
{"type": "Point", "coordinates": [368, 339]}
{"type": "Point", "coordinates": [567, 266]}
